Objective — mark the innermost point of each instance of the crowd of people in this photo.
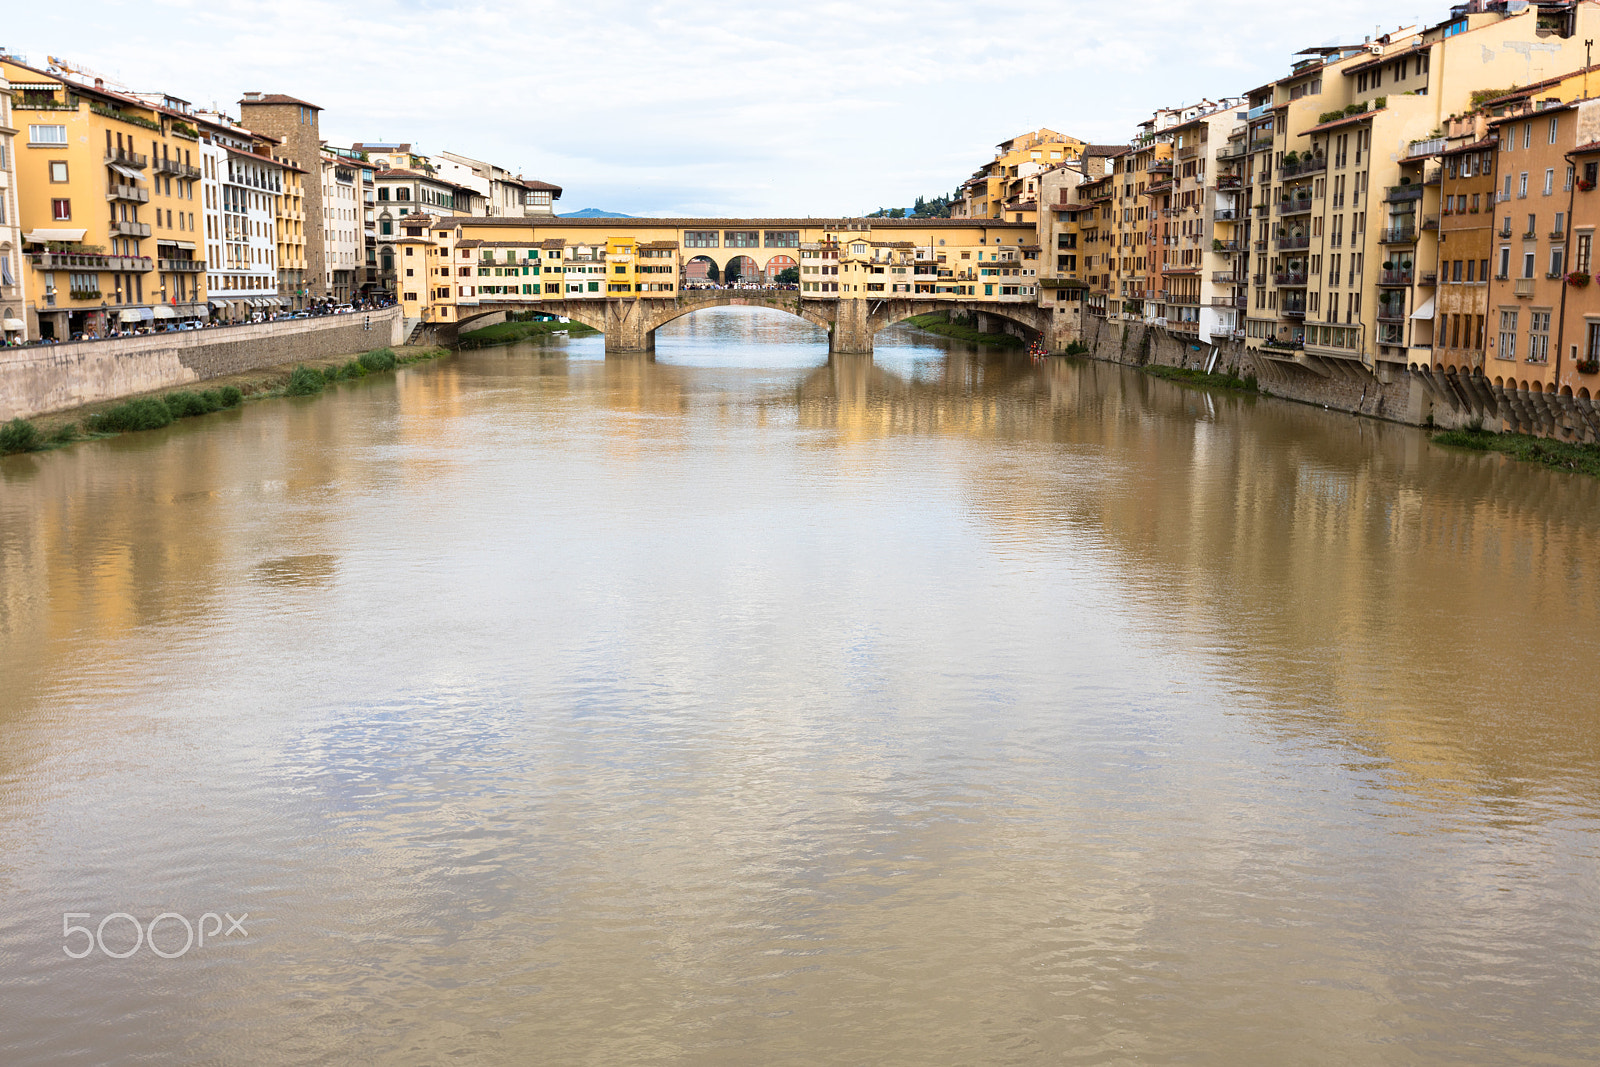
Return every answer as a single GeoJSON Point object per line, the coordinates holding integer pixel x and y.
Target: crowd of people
{"type": "Point", "coordinates": [314, 309]}
{"type": "Point", "coordinates": [762, 284]}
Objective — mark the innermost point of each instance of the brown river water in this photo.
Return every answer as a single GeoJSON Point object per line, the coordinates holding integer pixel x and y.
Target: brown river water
{"type": "Point", "coordinates": [743, 708]}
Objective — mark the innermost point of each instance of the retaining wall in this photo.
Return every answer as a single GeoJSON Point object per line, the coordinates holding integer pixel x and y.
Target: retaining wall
{"type": "Point", "coordinates": [1389, 393]}
{"type": "Point", "coordinates": [46, 378]}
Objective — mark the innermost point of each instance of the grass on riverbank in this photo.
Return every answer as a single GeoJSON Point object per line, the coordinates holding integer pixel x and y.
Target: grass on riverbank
{"type": "Point", "coordinates": [154, 411]}
{"type": "Point", "coordinates": [1200, 377]}
{"type": "Point", "coordinates": [939, 322]}
{"type": "Point", "coordinates": [505, 333]}
{"type": "Point", "coordinates": [1558, 455]}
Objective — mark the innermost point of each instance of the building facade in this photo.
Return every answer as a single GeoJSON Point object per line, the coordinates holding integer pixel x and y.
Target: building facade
{"type": "Point", "coordinates": [243, 195]}
{"type": "Point", "coordinates": [13, 295]}
{"type": "Point", "coordinates": [295, 124]}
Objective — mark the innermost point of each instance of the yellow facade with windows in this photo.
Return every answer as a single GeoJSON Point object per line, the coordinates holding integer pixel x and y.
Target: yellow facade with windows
{"type": "Point", "coordinates": [109, 204]}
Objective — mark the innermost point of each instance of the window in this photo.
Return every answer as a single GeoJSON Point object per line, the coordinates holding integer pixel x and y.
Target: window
{"type": "Point", "coordinates": [1594, 341]}
{"type": "Point", "coordinates": [741, 239]}
{"type": "Point", "coordinates": [1561, 222]}
{"type": "Point", "coordinates": [1527, 135]}
{"type": "Point", "coordinates": [61, 210]}
{"type": "Point", "coordinates": [1455, 271]}
{"type": "Point", "coordinates": [1581, 260]}
{"type": "Point", "coordinates": [47, 135]}
{"type": "Point", "coordinates": [1522, 185]}
{"type": "Point", "coordinates": [783, 238]}
{"type": "Point", "coordinates": [58, 170]}
{"type": "Point", "coordinates": [1505, 262]}
{"type": "Point", "coordinates": [1527, 264]}
{"type": "Point", "coordinates": [1558, 259]}
{"type": "Point", "coordinates": [1538, 336]}
{"type": "Point", "coordinates": [700, 238]}
{"type": "Point", "coordinates": [1554, 122]}
{"type": "Point", "coordinates": [1508, 336]}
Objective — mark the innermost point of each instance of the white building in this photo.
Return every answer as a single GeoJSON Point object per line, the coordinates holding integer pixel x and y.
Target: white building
{"type": "Point", "coordinates": [342, 226]}
{"type": "Point", "coordinates": [241, 192]}
{"type": "Point", "coordinates": [13, 275]}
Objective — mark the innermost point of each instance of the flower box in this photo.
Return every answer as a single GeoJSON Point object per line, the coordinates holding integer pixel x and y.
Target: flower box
{"type": "Point", "coordinates": [1577, 279]}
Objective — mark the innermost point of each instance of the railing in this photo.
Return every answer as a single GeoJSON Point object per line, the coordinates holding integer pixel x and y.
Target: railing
{"type": "Point", "coordinates": [1225, 214]}
{"type": "Point", "coordinates": [1399, 194]}
{"type": "Point", "coordinates": [1160, 166]}
{"type": "Point", "coordinates": [1297, 206]}
{"type": "Point", "coordinates": [1399, 235]}
{"type": "Point", "coordinates": [1223, 248]}
{"type": "Point", "coordinates": [1188, 151]}
{"type": "Point", "coordinates": [1289, 244]}
{"type": "Point", "coordinates": [1395, 277]}
{"type": "Point", "coordinates": [1293, 311]}
{"type": "Point", "coordinates": [1262, 145]}
{"type": "Point", "coordinates": [127, 159]}
{"type": "Point", "coordinates": [1262, 210]}
{"type": "Point", "coordinates": [1428, 277]}
{"type": "Point", "coordinates": [194, 266]}
{"type": "Point", "coordinates": [86, 261]}
{"type": "Point", "coordinates": [1430, 147]}
{"type": "Point", "coordinates": [177, 170]}
{"type": "Point", "coordinates": [1391, 333]}
{"type": "Point", "coordinates": [1226, 181]}
{"type": "Point", "coordinates": [1391, 313]}
{"type": "Point", "coordinates": [1522, 287]}
{"type": "Point", "coordinates": [1258, 280]}
{"type": "Point", "coordinates": [1257, 111]}
{"type": "Point", "coordinates": [1233, 151]}
{"type": "Point", "coordinates": [1303, 166]}
{"type": "Point", "coordinates": [1223, 277]}
{"type": "Point", "coordinates": [1289, 277]}
{"type": "Point", "coordinates": [130, 229]}
{"type": "Point", "coordinates": [130, 193]}
{"type": "Point", "coordinates": [1226, 302]}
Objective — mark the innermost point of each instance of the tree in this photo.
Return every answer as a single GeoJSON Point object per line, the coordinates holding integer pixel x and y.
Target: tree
{"type": "Point", "coordinates": [788, 276]}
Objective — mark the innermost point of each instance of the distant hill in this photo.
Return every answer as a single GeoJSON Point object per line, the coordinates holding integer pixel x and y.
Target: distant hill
{"type": "Point", "coordinates": [594, 213]}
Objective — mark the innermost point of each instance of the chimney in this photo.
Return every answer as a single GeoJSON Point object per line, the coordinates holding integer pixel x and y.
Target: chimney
{"type": "Point", "coordinates": [99, 83]}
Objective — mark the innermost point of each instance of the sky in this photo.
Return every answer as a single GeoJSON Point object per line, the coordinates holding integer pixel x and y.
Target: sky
{"type": "Point", "coordinates": [704, 107]}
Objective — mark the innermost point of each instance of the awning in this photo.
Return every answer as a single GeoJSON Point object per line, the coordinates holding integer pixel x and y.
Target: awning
{"type": "Point", "coordinates": [12, 324]}
{"type": "Point", "coordinates": [36, 85]}
{"type": "Point", "coordinates": [187, 245]}
{"type": "Point", "coordinates": [191, 310]}
{"type": "Point", "coordinates": [218, 305]}
{"type": "Point", "coordinates": [127, 172]}
{"type": "Point", "coordinates": [164, 312]}
{"type": "Point", "coordinates": [135, 315]}
{"type": "Point", "coordinates": [1425, 311]}
{"type": "Point", "coordinates": [54, 235]}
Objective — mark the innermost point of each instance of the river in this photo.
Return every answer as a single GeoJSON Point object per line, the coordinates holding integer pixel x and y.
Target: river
{"type": "Point", "coordinates": [743, 708]}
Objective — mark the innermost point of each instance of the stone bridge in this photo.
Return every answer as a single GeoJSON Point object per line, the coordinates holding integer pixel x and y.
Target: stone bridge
{"type": "Point", "coordinates": [630, 325]}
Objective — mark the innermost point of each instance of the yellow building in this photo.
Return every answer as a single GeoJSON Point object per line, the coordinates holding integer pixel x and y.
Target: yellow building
{"type": "Point", "coordinates": [1006, 188]}
{"type": "Point", "coordinates": [108, 201]}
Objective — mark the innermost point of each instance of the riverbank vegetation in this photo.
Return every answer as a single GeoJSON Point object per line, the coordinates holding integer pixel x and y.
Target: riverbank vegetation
{"type": "Point", "coordinates": [1559, 455]}
{"type": "Point", "coordinates": [516, 328]}
{"type": "Point", "coordinates": [228, 393]}
{"type": "Point", "coordinates": [939, 322]}
{"type": "Point", "coordinates": [1214, 379]}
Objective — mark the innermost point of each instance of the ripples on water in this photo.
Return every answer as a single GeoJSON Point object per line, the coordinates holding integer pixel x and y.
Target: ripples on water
{"type": "Point", "coordinates": [741, 707]}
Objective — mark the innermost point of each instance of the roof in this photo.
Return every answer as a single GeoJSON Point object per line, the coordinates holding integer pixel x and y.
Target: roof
{"type": "Point", "coordinates": [540, 186]}
{"type": "Point", "coordinates": [1585, 149]}
{"type": "Point", "coordinates": [1378, 61]}
{"type": "Point", "coordinates": [1103, 150]}
{"type": "Point", "coordinates": [557, 222]}
{"type": "Point", "coordinates": [1475, 146]}
{"type": "Point", "coordinates": [1343, 120]}
{"type": "Point", "coordinates": [275, 98]}
{"type": "Point", "coordinates": [1524, 115]}
{"type": "Point", "coordinates": [1533, 87]}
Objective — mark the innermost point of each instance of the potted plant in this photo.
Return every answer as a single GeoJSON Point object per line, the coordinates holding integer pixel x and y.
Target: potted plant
{"type": "Point", "coordinates": [1578, 279]}
{"type": "Point", "coordinates": [1588, 366]}
{"type": "Point", "coordinates": [1584, 186]}
{"type": "Point", "coordinates": [1291, 158]}
{"type": "Point", "coordinates": [1388, 264]}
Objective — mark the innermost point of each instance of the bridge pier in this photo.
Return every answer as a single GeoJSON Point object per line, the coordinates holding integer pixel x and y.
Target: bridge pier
{"type": "Point", "coordinates": [852, 330]}
{"type": "Point", "coordinates": [628, 328]}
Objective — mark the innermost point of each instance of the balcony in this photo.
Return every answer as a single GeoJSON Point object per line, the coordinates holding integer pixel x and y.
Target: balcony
{"type": "Point", "coordinates": [1227, 302]}
{"type": "Point", "coordinates": [1430, 222]}
{"type": "Point", "coordinates": [1431, 147]}
{"type": "Point", "coordinates": [84, 262]}
{"type": "Point", "coordinates": [1262, 210]}
{"type": "Point", "coordinates": [1398, 235]}
{"type": "Point", "coordinates": [1188, 151]}
{"type": "Point", "coordinates": [1395, 277]}
{"type": "Point", "coordinates": [1300, 205]}
{"type": "Point", "coordinates": [1391, 333]}
{"type": "Point", "coordinates": [1160, 166]}
{"type": "Point", "coordinates": [1295, 278]}
{"type": "Point", "coordinates": [1223, 277]}
{"type": "Point", "coordinates": [1262, 145]}
{"type": "Point", "coordinates": [1399, 194]}
{"type": "Point", "coordinates": [1293, 311]}
{"type": "Point", "coordinates": [185, 266]}
{"type": "Point", "coordinates": [127, 159]}
{"type": "Point", "coordinates": [130, 229]}
{"type": "Point", "coordinates": [1225, 214]}
{"type": "Point", "coordinates": [1290, 244]}
{"type": "Point", "coordinates": [1224, 248]}
{"type": "Point", "coordinates": [1522, 287]}
{"type": "Point", "coordinates": [1234, 150]}
{"type": "Point", "coordinates": [1190, 299]}
{"type": "Point", "coordinates": [1313, 165]}
{"type": "Point", "coordinates": [131, 193]}
{"type": "Point", "coordinates": [1391, 313]}
{"type": "Point", "coordinates": [1428, 277]}
{"type": "Point", "coordinates": [1226, 181]}
{"type": "Point", "coordinates": [177, 170]}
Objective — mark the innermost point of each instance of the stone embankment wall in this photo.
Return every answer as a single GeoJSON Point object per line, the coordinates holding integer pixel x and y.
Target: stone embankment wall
{"type": "Point", "coordinates": [46, 378]}
{"type": "Point", "coordinates": [1393, 394]}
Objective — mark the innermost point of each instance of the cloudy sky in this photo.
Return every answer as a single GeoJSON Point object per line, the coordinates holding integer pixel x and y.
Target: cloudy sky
{"type": "Point", "coordinates": [704, 107]}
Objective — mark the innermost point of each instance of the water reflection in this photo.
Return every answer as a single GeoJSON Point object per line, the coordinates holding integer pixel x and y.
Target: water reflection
{"type": "Point", "coordinates": [747, 705]}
